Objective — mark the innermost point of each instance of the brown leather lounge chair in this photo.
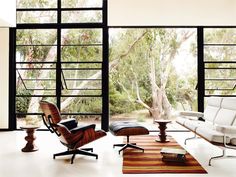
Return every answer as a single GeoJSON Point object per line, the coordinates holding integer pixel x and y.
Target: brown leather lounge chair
{"type": "Point", "coordinates": [70, 134]}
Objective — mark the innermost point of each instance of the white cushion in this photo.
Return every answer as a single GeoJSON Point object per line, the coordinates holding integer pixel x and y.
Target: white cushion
{"type": "Point", "coordinates": [214, 101]}
{"type": "Point", "coordinates": [192, 124]}
{"type": "Point", "coordinates": [233, 141]}
{"type": "Point", "coordinates": [211, 135]}
{"type": "Point", "coordinates": [210, 113]}
{"type": "Point", "coordinates": [225, 117]}
{"type": "Point", "coordinates": [229, 103]}
{"type": "Point", "coordinates": [181, 120]}
{"type": "Point", "coordinates": [191, 114]}
{"type": "Point", "coordinates": [229, 130]}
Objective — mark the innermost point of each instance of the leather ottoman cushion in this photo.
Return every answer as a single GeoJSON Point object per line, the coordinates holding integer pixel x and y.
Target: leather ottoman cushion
{"type": "Point", "coordinates": [125, 128]}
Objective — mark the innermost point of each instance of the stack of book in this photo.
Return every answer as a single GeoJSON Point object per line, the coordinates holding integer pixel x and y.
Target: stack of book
{"type": "Point", "coordinates": [173, 155]}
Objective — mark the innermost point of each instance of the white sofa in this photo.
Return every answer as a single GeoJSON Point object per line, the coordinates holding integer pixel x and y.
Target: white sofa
{"type": "Point", "coordinates": [219, 125]}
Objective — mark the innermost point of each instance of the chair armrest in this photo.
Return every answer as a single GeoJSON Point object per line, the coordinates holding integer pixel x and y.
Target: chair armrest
{"type": "Point", "coordinates": [226, 129]}
{"type": "Point", "coordinates": [82, 128]}
{"type": "Point", "coordinates": [69, 123]}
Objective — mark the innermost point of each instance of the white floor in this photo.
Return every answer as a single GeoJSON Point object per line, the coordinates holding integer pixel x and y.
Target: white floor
{"type": "Point", "coordinates": [14, 163]}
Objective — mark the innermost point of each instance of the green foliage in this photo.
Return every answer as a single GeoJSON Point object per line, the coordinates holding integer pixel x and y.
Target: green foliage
{"type": "Point", "coordinates": [119, 102]}
{"type": "Point", "coordinates": [22, 103]}
{"type": "Point", "coordinates": [133, 61]}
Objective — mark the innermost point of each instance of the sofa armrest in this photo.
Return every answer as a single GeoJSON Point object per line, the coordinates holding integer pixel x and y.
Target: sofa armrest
{"type": "Point", "coordinates": [226, 129]}
{"type": "Point", "coordinates": [191, 114]}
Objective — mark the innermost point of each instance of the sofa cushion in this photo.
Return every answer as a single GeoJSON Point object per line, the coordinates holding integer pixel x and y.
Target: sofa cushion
{"type": "Point", "coordinates": [233, 141]}
{"type": "Point", "coordinates": [192, 124]}
{"type": "Point", "coordinates": [181, 120]}
{"type": "Point", "coordinates": [229, 103]}
{"type": "Point", "coordinates": [214, 101]}
{"type": "Point", "coordinates": [225, 117]}
{"type": "Point", "coordinates": [210, 113]}
{"type": "Point", "coordinates": [211, 135]}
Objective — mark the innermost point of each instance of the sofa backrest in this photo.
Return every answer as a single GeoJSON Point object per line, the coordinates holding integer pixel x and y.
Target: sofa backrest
{"type": "Point", "coordinates": [227, 113]}
{"type": "Point", "coordinates": [212, 108]}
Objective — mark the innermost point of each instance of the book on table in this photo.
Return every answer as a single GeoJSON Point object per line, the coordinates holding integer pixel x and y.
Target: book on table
{"type": "Point", "coordinates": [173, 155]}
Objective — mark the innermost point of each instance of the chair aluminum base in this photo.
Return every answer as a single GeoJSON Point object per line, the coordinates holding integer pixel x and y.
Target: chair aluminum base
{"type": "Point", "coordinates": [84, 151]}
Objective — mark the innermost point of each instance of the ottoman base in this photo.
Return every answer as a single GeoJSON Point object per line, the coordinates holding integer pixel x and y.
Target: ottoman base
{"type": "Point", "coordinates": [128, 145]}
{"type": "Point", "coordinates": [127, 129]}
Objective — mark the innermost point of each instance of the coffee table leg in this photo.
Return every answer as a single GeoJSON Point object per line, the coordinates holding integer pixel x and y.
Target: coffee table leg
{"type": "Point", "coordinates": [162, 135]}
{"type": "Point", "coordinates": [30, 146]}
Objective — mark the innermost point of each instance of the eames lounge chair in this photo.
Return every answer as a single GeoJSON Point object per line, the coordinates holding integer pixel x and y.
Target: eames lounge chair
{"type": "Point", "coordinates": [70, 135]}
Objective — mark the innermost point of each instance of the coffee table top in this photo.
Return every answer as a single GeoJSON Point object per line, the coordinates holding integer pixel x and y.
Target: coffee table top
{"type": "Point", "coordinates": [29, 127]}
{"type": "Point", "coordinates": [162, 121]}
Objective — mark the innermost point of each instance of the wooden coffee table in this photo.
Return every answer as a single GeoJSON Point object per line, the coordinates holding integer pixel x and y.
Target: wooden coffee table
{"type": "Point", "coordinates": [30, 146]}
{"type": "Point", "coordinates": [162, 126]}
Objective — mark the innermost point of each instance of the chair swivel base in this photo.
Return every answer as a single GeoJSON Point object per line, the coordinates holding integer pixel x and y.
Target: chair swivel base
{"type": "Point", "coordinates": [84, 151]}
{"type": "Point", "coordinates": [128, 145]}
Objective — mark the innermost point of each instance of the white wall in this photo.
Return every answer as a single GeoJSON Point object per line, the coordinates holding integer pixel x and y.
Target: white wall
{"type": "Point", "coordinates": [4, 77]}
{"type": "Point", "coordinates": [172, 12]}
{"type": "Point", "coordinates": [7, 13]}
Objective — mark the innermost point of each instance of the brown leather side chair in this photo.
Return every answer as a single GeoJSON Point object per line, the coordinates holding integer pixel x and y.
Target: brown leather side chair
{"type": "Point", "coordinates": [70, 134]}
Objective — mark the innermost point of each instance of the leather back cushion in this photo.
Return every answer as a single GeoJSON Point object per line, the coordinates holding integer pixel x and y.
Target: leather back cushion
{"type": "Point", "coordinates": [225, 117]}
{"type": "Point", "coordinates": [50, 109]}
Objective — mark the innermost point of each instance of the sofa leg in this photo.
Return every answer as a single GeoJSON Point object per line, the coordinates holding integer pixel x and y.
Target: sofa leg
{"type": "Point", "coordinates": [221, 156]}
{"type": "Point", "coordinates": [217, 157]}
{"type": "Point", "coordinates": [194, 137]}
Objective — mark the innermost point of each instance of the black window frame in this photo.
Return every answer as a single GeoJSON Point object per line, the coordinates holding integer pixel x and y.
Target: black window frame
{"type": "Point", "coordinates": [105, 62]}
{"type": "Point", "coordinates": [59, 27]}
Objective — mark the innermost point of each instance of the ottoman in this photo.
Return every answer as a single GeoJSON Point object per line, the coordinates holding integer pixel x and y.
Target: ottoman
{"type": "Point", "coordinates": [127, 129]}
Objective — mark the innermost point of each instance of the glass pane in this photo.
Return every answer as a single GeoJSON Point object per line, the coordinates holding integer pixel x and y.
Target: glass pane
{"type": "Point", "coordinates": [35, 79]}
{"type": "Point", "coordinates": [89, 16]}
{"type": "Point", "coordinates": [220, 84]}
{"type": "Point", "coordinates": [220, 65]}
{"type": "Point", "coordinates": [220, 36]}
{"type": "Point", "coordinates": [220, 73]}
{"type": "Point", "coordinates": [37, 17]}
{"type": "Point", "coordinates": [23, 120]}
{"type": "Point", "coordinates": [36, 53]}
{"type": "Point", "coordinates": [81, 53]}
{"type": "Point", "coordinates": [220, 92]}
{"type": "Point", "coordinates": [81, 3]}
{"type": "Point", "coordinates": [23, 104]}
{"type": "Point", "coordinates": [36, 37]}
{"type": "Point", "coordinates": [82, 74]}
{"type": "Point", "coordinates": [81, 36]}
{"type": "Point", "coordinates": [36, 4]}
{"type": "Point", "coordinates": [220, 53]}
{"type": "Point", "coordinates": [30, 105]}
{"type": "Point", "coordinates": [82, 105]}
{"type": "Point", "coordinates": [82, 65]}
{"type": "Point", "coordinates": [147, 57]}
